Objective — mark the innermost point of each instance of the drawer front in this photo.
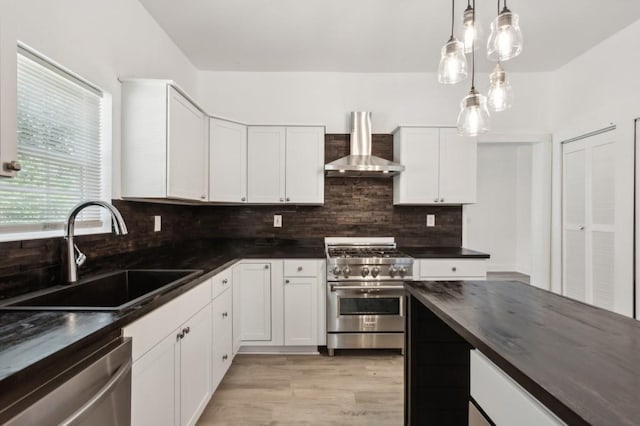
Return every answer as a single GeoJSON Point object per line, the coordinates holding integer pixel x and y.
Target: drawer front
{"type": "Point", "coordinates": [152, 328]}
{"type": "Point", "coordinates": [453, 268]}
{"type": "Point", "coordinates": [221, 282]}
{"type": "Point", "coordinates": [504, 400]}
{"type": "Point", "coordinates": [301, 268]}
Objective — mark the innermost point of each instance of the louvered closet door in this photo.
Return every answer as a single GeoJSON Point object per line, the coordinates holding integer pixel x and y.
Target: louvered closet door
{"type": "Point", "coordinates": [589, 220]}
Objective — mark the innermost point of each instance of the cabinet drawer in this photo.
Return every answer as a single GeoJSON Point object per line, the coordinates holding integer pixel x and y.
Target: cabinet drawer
{"type": "Point", "coordinates": [221, 282]}
{"type": "Point", "coordinates": [152, 328]}
{"type": "Point", "coordinates": [453, 268]}
{"type": "Point", "coordinates": [301, 268]}
{"type": "Point", "coordinates": [504, 400]}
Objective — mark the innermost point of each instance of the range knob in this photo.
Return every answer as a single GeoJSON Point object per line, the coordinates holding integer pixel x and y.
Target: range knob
{"type": "Point", "coordinates": [364, 271]}
{"type": "Point", "coordinates": [375, 271]}
{"type": "Point", "coordinates": [337, 271]}
{"type": "Point", "coordinates": [346, 271]}
{"type": "Point", "coordinates": [402, 271]}
{"type": "Point", "coordinates": [393, 271]}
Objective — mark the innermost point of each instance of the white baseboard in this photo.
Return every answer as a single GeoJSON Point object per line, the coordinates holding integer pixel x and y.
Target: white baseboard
{"type": "Point", "coordinates": [279, 350]}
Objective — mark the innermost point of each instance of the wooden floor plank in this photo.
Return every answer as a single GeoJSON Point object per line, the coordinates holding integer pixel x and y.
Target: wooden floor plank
{"type": "Point", "coordinates": [352, 388]}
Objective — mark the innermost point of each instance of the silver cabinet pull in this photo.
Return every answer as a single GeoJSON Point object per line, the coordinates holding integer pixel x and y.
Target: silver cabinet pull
{"type": "Point", "coordinates": [12, 166]}
{"type": "Point", "coordinates": [282, 200]}
{"type": "Point", "coordinates": [100, 395]}
{"type": "Point", "coordinates": [186, 330]}
{"type": "Point", "coordinates": [581, 227]}
{"type": "Point", "coordinates": [203, 197]}
{"type": "Point", "coordinates": [288, 199]}
{"type": "Point", "coordinates": [454, 269]}
{"type": "Point", "coordinates": [224, 357]}
{"type": "Point", "coordinates": [299, 268]}
{"type": "Point", "coordinates": [266, 266]}
{"type": "Point", "coordinates": [286, 281]}
{"type": "Point", "coordinates": [179, 336]}
{"type": "Point", "coordinates": [225, 281]}
{"type": "Point", "coordinates": [243, 199]}
{"type": "Point", "coordinates": [442, 200]}
{"type": "Point", "coordinates": [435, 200]}
{"type": "Point", "coordinates": [225, 314]}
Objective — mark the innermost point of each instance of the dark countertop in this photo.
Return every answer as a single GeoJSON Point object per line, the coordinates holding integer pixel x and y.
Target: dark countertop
{"type": "Point", "coordinates": [442, 252]}
{"type": "Point", "coordinates": [582, 362]}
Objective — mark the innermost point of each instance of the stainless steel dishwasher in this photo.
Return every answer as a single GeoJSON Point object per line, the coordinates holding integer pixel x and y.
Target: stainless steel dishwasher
{"type": "Point", "coordinates": [95, 391]}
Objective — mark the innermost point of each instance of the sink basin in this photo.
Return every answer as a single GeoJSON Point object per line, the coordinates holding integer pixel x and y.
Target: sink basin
{"type": "Point", "coordinates": [114, 291]}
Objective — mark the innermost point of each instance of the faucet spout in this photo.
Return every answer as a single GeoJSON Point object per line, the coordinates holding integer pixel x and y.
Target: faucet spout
{"type": "Point", "coordinates": [119, 228]}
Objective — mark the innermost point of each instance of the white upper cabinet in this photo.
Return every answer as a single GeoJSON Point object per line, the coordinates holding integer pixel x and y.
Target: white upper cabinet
{"type": "Point", "coordinates": [285, 165]}
{"type": "Point", "coordinates": [304, 165]}
{"type": "Point", "coordinates": [440, 166]}
{"type": "Point", "coordinates": [164, 143]}
{"type": "Point", "coordinates": [265, 164]}
{"type": "Point", "coordinates": [227, 161]}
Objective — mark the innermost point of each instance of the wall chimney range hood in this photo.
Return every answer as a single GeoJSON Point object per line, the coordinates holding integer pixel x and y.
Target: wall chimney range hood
{"type": "Point", "coordinates": [360, 162]}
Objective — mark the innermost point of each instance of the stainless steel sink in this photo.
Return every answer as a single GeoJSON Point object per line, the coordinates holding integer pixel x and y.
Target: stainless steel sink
{"type": "Point", "coordinates": [114, 291]}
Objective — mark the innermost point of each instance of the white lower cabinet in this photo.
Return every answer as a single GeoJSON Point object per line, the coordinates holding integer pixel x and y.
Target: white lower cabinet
{"type": "Point", "coordinates": [171, 375]}
{"type": "Point", "coordinates": [504, 400]}
{"type": "Point", "coordinates": [279, 302]}
{"type": "Point", "coordinates": [222, 353]}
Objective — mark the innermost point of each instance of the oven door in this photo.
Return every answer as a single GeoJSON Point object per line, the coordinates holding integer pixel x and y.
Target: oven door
{"type": "Point", "coordinates": [365, 307]}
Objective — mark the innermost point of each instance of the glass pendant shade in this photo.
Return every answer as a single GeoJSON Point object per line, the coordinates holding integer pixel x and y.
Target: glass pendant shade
{"type": "Point", "coordinates": [500, 91]}
{"type": "Point", "coordinates": [474, 115]}
{"type": "Point", "coordinates": [505, 41]}
{"type": "Point", "coordinates": [453, 63]}
{"type": "Point", "coordinates": [472, 31]}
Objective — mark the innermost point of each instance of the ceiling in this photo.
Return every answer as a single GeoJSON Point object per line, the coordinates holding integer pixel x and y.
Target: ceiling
{"type": "Point", "coordinates": [374, 35]}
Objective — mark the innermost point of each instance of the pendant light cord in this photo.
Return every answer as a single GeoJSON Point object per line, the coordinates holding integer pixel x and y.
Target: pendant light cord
{"type": "Point", "coordinates": [473, 50]}
{"type": "Point", "coordinates": [453, 13]}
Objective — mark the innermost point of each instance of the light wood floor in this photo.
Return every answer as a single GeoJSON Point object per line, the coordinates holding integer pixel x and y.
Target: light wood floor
{"type": "Point", "coordinates": [352, 388]}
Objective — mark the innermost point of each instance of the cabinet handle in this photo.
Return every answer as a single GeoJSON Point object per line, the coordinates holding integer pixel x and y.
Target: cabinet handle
{"type": "Point", "coordinates": [435, 201]}
{"type": "Point", "coordinates": [243, 199]}
{"type": "Point", "coordinates": [266, 266]}
{"type": "Point", "coordinates": [299, 268]}
{"type": "Point", "coordinates": [186, 330]}
{"type": "Point", "coordinates": [179, 336]}
{"type": "Point", "coordinates": [442, 200]}
{"type": "Point", "coordinates": [454, 269]}
{"type": "Point", "coordinates": [224, 357]}
{"type": "Point", "coordinates": [286, 281]}
{"type": "Point", "coordinates": [225, 314]}
{"type": "Point", "coordinates": [12, 166]}
{"type": "Point", "coordinates": [581, 227]}
{"type": "Point", "coordinates": [288, 199]}
{"type": "Point", "coordinates": [225, 281]}
{"type": "Point", "coordinates": [203, 197]}
{"type": "Point", "coordinates": [281, 200]}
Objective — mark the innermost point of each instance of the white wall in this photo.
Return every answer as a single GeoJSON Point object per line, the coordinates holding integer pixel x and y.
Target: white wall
{"type": "Point", "coordinates": [491, 225]}
{"type": "Point", "coordinates": [595, 90]}
{"type": "Point", "coordinates": [394, 99]}
{"type": "Point", "coordinates": [99, 40]}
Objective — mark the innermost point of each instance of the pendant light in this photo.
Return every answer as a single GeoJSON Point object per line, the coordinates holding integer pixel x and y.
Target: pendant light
{"type": "Point", "coordinates": [505, 41]}
{"type": "Point", "coordinates": [474, 115]}
{"type": "Point", "coordinates": [453, 63]}
{"type": "Point", "coordinates": [500, 90]}
{"type": "Point", "coordinates": [472, 31]}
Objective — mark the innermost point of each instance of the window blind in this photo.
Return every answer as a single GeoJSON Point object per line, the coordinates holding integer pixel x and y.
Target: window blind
{"type": "Point", "coordinates": [60, 149]}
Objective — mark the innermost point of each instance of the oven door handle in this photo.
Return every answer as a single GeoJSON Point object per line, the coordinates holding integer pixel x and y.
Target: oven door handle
{"type": "Point", "coordinates": [335, 287]}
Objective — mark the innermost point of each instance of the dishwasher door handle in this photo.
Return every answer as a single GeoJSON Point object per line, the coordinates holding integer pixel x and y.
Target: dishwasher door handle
{"type": "Point", "coordinates": [102, 393]}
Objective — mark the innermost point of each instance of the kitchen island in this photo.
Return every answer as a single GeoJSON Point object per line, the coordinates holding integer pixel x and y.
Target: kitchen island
{"type": "Point", "coordinates": [579, 362]}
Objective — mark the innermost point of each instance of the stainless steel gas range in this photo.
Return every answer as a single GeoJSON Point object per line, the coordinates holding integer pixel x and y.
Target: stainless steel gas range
{"type": "Point", "coordinates": [365, 293]}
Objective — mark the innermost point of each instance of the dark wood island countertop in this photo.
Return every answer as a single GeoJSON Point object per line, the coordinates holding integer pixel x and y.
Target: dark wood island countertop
{"type": "Point", "coordinates": [582, 362]}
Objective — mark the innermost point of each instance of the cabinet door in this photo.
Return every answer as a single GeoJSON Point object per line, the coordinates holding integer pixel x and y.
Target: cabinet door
{"type": "Point", "coordinates": [227, 161]}
{"type": "Point", "coordinates": [266, 165]}
{"type": "Point", "coordinates": [418, 150]}
{"type": "Point", "coordinates": [155, 390]}
{"type": "Point", "coordinates": [187, 158]}
{"type": "Point", "coordinates": [458, 168]}
{"type": "Point", "coordinates": [301, 311]}
{"type": "Point", "coordinates": [305, 165]}
{"type": "Point", "coordinates": [222, 340]}
{"type": "Point", "coordinates": [195, 366]}
{"type": "Point", "coordinates": [254, 284]}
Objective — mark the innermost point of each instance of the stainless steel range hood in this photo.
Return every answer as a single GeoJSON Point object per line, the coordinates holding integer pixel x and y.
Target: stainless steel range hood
{"type": "Point", "coordinates": [360, 163]}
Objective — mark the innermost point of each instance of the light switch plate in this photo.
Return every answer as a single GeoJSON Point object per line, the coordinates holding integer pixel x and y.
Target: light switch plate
{"type": "Point", "coordinates": [157, 223]}
{"type": "Point", "coordinates": [431, 220]}
{"type": "Point", "coordinates": [277, 221]}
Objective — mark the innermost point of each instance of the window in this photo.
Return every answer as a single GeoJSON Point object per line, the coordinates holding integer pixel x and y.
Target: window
{"type": "Point", "coordinates": [62, 150]}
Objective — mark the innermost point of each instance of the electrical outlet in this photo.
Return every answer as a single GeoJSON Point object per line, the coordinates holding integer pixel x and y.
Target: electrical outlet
{"type": "Point", "coordinates": [277, 221]}
{"type": "Point", "coordinates": [431, 220]}
{"type": "Point", "coordinates": [157, 223]}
